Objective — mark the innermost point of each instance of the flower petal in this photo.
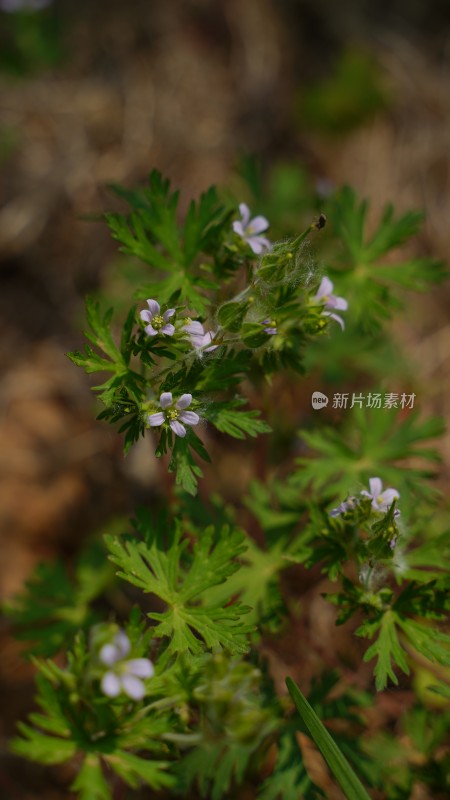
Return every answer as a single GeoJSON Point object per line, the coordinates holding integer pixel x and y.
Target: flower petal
{"type": "Point", "coordinates": [109, 654]}
{"type": "Point", "coordinates": [146, 315]}
{"type": "Point", "coordinates": [258, 244]}
{"type": "Point", "coordinates": [154, 306]}
{"type": "Point", "coordinates": [178, 428]}
{"type": "Point", "coordinates": [325, 288]}
{"type": "Point", "coordinates": [388, 496]}
{"type": "Point", "coordinates": [239, 228]}
{"type": "Point", "coordinates": [110, 684]}
{"type": "Point", "coordinates": [194, 328]}
{"type": "Point", "coordinates": [150, 331]}
{"type": "Point", "coordinates": [122, 643]}
{"type": "Point", "coordinates": [133, 687]}
{"type": "Point", "coordinates": [336, 512]}
{"type": "Point", "coordinates": [168, 329]}
{"type": "Point", "coordinates": [245, 213]}
{"type": "Point", "coordinates": [207, 339]}
{"type": "Point", "coordinates": [168, 314]}
{"type": "Point", "coordinates": [375, 486]}
{"type": "Point", "coordinates": [154, 420]}
{"type": "Point", "coordinates": [189, 417]}
{"type": "Point", "coordinates": [338, 319]}
{"type": "Point", "coordinates": [140, 668]}
{"type": "Point", "coordinates": [340, 304]}
{"type": "Point", "coordinates": [166, 400]}
{"type": "Point", "coordinates": [184, 401]}
{"type": "Point", "coordinates": [258, 225]}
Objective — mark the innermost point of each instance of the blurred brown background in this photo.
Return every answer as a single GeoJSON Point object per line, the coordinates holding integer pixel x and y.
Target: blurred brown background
{"type": "Point", "coordinates": [105, 91]}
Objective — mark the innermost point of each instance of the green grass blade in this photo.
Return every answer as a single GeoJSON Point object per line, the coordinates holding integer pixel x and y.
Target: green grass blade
{"type": "Point", "coordinates": [339, 766]}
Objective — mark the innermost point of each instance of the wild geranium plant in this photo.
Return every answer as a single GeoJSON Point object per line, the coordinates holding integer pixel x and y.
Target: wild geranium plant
{"type": "Point", "coordinates": [178, 695]}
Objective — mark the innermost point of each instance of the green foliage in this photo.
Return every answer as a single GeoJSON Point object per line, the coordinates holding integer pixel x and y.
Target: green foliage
{"type": "Point", "coordinates": [416, 754]}
{"type": "Point", "coordinates": [54, 606]}
{"type": "Point", "coordinates": [370, 442]}
{"type": "Point", "coordinates": [211, 719]}
{"type": "Point", "coordinates": [30, 41]}
{"type": "Point", "coordinates": [290, 779]}
{"type": "Point", "coordinates": [392, 620]}
{"type": "Point", "coordinates": [75, 722]}
{"type": "Point", "coordinates": [236, 717]}
{"type": "Point", "coordinates": [90, 782]}
{"type": "Point", "coordinates": [228, 419]}
{"type": "Point", "coordinates": [152, 234]}
{"type": "Point", "coordinates": [367, 284]}
{"type": "Point", "coordinates": [339, 766]}
{"type": "Point", "coordinates": [162, 566]}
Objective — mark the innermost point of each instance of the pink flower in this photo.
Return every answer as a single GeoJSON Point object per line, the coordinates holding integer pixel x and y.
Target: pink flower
{"type": "Point", "coordinates": [124, 675]}
{"type": "Point", "coordinates": [158, 323]}
{"type": "Point", "coordinates": [325, 295]}
{"type": "Point", "coordinates": [199, 338]}
{"type": "Point", "coordinates": [174, 413]}
{"type": "Point", "coordinates": [381, 501]}
{"type": "Point", "coordinates": [250, 230]}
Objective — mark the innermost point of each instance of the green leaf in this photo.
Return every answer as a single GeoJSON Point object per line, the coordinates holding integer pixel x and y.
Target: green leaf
{"type": "Point", "coordinates": [151, 232]}
{"type": "Point", "coordinates": [189, 624]}
{"type": "Point", "coordinates": [238, 424]}
{"type": "Point", "coordinates": [370, 286]}
{"type": "Point", "coordinates": [53, 607]}
{"type": "Point", "coordinates": [216, 766]}
{"type": "Point", "coordinates": [183, 464]}
{"type": "Point", "coordinates": [256, 582]}
{"type": "Point", "coordinates": [427, 640]}
{"type": "Point", "coordinates": [253, 335]}
{"type": "Point", "coordinates": [339, 766]}
{"type": "Point", "coordinates": [231, 315]}
{"type": "Point", "coordinates": [90, 781]}
{"type": "Point", "coordinates": [387, 649]}
{"type": "Point", "coordinates": [440, 688]}
{"type": "Point", "coordinates": [135, 770]}
{"type": "Point", "coordinates": [37, 746]}
{"type": "Point", "coordinates": [370, 442]}
{"type": "Point", "coordinates": [290, 779]}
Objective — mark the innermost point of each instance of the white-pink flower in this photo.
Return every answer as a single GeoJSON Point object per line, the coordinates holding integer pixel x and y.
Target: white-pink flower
{"type": "Point", "coordinates": [199, 337]}
{"type": "Point", "coordinates": [174, 413]}
{"type": "Point", "coordinates": [123, 675]}
{"type": "Point", "coordinates": [381, 500]}
{"type": "Point", "coordinates": [157, 322]}
{"type": "Point", "coordinates": [332, 302]}
{"type": "Point", "coordinates": [250, 230]}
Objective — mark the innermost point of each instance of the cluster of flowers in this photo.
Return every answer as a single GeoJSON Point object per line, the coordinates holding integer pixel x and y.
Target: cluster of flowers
{"type": "Point", "coordinates": [173, 412]}
{"type": "Point", "coordinates": [158, 323]}
{"type": "Point", "coordinates": [250, 231]}
{"type": "Point", "coordinates": [381, 500]}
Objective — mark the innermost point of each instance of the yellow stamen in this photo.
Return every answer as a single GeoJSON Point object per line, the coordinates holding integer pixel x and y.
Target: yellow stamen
{"type": "Point", "coordinates": [157, 321]}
